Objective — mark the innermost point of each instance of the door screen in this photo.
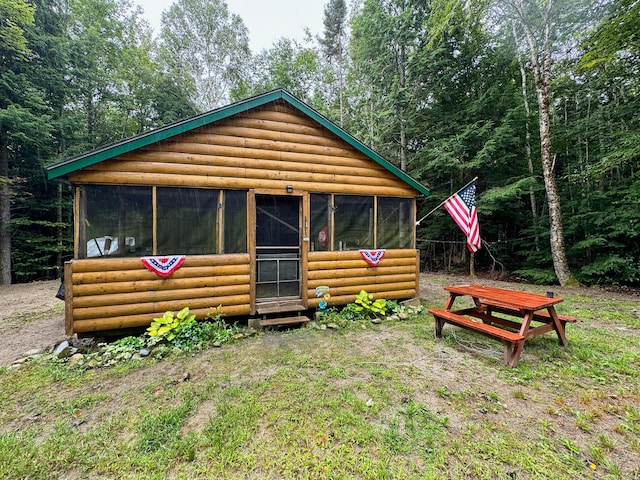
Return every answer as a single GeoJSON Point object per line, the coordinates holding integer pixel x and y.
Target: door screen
{"type": "Point", "coordinates": [277, 247]}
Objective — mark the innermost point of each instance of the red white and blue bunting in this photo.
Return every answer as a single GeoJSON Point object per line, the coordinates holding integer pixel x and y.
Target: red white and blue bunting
{"type": "Point", "coordinates": [163, 266]}
{"type": "Point", "coordinates": [372, 257]}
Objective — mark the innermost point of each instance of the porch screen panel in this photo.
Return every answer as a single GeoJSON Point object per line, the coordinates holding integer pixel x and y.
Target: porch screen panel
{"type": "Point", "coordinates": [354, 222]}
{"type": "Point", "coordinates": [395, 222]}
{"type": "Point", "coordinates": [115, 221]}
{"type": "Point", "coordinates": [234, 206]}
{"type": "Point", "coordinates": [186, 221]}
{"type": "Point", "coordinates": [320, 224]}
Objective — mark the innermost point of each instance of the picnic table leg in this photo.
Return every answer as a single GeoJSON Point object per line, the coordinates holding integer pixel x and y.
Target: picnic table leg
{"type": "Point", "coordinates": [518, 347]}
{"type": "Point", "coordinates": [515, 354]}
{"type": "Point", "coordinates": [452, 297]}
{"type": "Point", "coordinates": [439, 324]}
{"type": "Point", "coordinates": [558, 326]}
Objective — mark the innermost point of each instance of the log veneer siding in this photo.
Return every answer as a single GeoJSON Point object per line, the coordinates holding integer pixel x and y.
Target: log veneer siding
{"type": "Point", "coordinates": [346, 273]}
{"type": "Point", "coordinates": [119, 293]}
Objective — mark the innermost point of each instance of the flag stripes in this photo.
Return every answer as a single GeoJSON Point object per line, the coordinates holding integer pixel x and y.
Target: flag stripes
{"type": "Point", "coordinates": [462, 207]}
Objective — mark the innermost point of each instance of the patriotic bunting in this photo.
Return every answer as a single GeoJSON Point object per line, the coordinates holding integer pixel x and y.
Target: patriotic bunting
{"type": "Point", "coordinates": [372, 257]}
{"type": "Point", "coordinates": [163, 266]}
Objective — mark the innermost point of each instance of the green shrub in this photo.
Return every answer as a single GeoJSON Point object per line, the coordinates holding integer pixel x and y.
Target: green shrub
{"type": "Point", "coordinates": [192, 335]}
{"type": "Point", "coordinates": [167, 326]}
{"type": "Point", "coordinates": [365, 303]}
{"type": "Point", "coordinates": [353, 313]}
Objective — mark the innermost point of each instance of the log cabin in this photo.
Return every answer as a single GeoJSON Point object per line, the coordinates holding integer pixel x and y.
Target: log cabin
{"type": "Point", "coordinates": [256, 206]}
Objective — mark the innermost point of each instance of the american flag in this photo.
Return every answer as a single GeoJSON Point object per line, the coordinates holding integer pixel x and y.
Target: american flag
{"type": "Point", "coordinates": [462, 207]}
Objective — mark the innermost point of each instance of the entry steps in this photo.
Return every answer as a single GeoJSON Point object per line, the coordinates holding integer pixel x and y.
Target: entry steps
{"type": "Point", "coordinates": [290, 313]}
{"type": "Point", "coordinates": [274, 322]}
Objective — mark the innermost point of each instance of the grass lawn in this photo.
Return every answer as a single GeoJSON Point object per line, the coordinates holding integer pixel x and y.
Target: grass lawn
{"type": "Point", "coordinates": [367, 401]}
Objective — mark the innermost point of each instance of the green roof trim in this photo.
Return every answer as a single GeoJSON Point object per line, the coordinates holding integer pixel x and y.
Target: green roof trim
{"type": "Point", "coordinates": [79, 162]}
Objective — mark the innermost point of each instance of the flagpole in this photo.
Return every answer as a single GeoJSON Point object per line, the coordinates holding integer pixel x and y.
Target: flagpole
{"type": "Point", "coordinates": [445, 201]}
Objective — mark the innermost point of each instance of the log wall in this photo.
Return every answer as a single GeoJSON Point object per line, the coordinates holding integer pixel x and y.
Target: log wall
{"type": "Point", "coordinates": [266, 148]}
{"type": "Point", "coordinates": [346, 273]}
{"type": "Point", "coordinates": [115, 294]}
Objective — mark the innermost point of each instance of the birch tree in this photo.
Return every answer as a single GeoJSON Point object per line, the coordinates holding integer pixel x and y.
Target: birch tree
{"type": "Point", "coordinates": [203, 40]}
{"type": "Point", "coordinates": [546, 28]}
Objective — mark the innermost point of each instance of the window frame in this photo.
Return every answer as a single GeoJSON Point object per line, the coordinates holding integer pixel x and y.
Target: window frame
{"type": "Point", "coordinates": [80, 206]}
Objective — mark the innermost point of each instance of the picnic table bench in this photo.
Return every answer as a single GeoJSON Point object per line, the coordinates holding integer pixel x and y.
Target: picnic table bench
{"type": "Point", "coordinates": [523, 308]}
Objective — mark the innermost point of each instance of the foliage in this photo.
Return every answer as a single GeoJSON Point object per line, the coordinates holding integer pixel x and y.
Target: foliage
{"type": "Point", "coordinates": [15, 14]}
{"type": "Point", "coordinates": [122, 350]}
{"type": "Point", "coordinates": [204, 42]}
{"type": "Point", "coordinates": [537, 275]}
{"type": "Point", "coordinates": [168, 326]}
{"type": "Point", "coordinates": [434, 87]}
{"type": "Point", "coordinates": [366, 304]}
{"type": "Point", "coordinates": [353, 313]}
{"type": "Point", "coordinates": [193, 334]}
{"type": "Point", "coordinates": [184, 332]}
{"type": "Point", "coordinates": [616, 36]}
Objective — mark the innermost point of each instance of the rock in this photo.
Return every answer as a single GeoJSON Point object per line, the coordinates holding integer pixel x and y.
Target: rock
{"type": "Point", "coordinates": [75, 358]}
{"type": "Point", "coordinates": [403, 315]}
{"type": "Point", "coordinates": [32, 353]}
{"type": "Point", "coordinates": [64, 350]}
{"type": "Point", "coordinates": [84, 345]}
{"type": "Point", "coordinates": [376, 320]}
{"type": "Point", "coordinates": [332, 326]}
{"type": "Point", "coordinates": [250, 332]}
{"type": "Point", "coordinates": [20, 361]}
{"type": "Point", "coordinates": [144, 352]}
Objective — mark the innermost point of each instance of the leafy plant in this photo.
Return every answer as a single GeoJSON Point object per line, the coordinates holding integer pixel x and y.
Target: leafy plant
{"type": "Point", "coordinates": [191, 334]}
{"type": "Point", "coordinates": [365, 303]}
{"type": "Point", "coordinates": [353, 313]}
{"type": "Point", "coordinates": [167, 326]}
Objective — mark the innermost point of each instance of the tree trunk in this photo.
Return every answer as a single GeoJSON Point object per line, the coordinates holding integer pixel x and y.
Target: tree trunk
{"type": "Point", "coordinates": [402, 81]}
{"type": "Point", "coordinates": [527, 143]}
{"type": "Point", "coordinates": [541, 61]}
{"type": "Point", "coordinates": [5, 213]}
{"type": "Point", "coordinates": [472, 265]}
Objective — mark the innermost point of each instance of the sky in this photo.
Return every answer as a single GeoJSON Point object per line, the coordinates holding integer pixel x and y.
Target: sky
{"type": "Point", "coordinates": [266, 20]}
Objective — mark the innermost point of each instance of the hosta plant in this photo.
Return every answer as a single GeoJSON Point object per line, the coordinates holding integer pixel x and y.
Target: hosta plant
{"type": "Point", "coordinates": [365, 303]}
{"type": "Point", "coordinates": [167, 326]}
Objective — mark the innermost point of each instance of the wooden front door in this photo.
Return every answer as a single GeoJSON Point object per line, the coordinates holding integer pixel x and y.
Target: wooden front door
{"type": "Point", "coordinates": [277, 243]}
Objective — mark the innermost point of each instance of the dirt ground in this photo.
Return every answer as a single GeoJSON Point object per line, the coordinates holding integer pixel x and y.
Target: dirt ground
{"type": "Point", "coordinates": [34, 320]}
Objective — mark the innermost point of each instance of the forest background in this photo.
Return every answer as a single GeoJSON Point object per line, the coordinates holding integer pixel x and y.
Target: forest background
{"type": "Point", "coordinates": [537, 98]}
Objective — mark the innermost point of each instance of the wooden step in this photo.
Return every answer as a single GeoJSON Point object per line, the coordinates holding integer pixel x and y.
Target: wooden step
{"type": "Point", "coordinates": [283, 321]}
{"type": "Point", "coordinates": [267, 308]}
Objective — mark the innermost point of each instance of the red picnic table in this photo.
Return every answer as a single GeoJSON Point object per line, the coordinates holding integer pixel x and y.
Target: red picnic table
{"type": "Point", "coordinates": [521, 308]}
